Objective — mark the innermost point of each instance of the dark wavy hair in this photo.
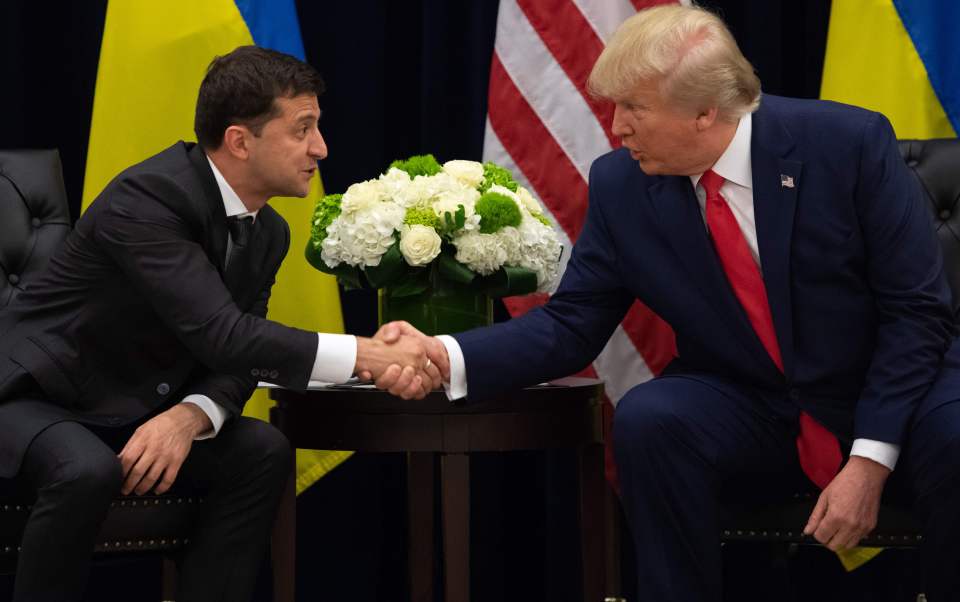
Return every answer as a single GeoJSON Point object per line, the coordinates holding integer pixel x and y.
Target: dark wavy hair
{"type": "Point", "coordinates": [240, 87]}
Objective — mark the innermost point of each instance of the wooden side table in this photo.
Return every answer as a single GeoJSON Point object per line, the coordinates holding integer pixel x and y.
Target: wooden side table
{"type": "Point", "coordinates": [562, 414]}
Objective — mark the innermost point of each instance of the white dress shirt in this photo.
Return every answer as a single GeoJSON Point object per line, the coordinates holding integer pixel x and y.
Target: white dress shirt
{"type": "Point", "coordinates": [336, 353]}
{"type": "Point", "coordinates": [734, 165]}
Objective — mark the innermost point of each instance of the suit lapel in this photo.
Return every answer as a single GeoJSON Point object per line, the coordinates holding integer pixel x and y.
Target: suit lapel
{"type": "Point", "coordinates": [215, 218]}
{"type": "Point", "coordinates": [776, 182]}
{"type": "Point", "coordinates": [675, 204]}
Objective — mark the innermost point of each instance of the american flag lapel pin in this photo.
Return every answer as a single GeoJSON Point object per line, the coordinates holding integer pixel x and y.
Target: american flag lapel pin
{"type": "Point", "coordinates": [786, 181]}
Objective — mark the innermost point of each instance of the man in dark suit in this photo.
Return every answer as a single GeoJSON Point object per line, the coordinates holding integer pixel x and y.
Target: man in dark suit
{"type": "Point", "coordinates": [790, 249]}
{"type": "Point", "coordinates": [147, 334]}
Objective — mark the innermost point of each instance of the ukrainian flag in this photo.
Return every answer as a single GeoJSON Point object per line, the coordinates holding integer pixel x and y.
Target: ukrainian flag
{"type": "Point", "coordinates": [901, 58]}
{"type": "Point", "coordinates": [152, 60]}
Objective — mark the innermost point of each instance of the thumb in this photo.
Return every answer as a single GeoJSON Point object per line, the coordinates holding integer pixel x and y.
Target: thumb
{"type": "Point", "coordinates": [819, 511]}
{"type": "Point", "coordinates": [389, 333]}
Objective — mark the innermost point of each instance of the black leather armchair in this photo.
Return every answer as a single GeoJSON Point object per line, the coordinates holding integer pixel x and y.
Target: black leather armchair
{"type": "Point", "coordinates": [34, 220]}
{"type": "Point", "coordinates": [936, 165]}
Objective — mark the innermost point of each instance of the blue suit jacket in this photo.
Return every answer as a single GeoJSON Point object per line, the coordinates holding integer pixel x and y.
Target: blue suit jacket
{"type": "Point", "coordinates": [852, 268]}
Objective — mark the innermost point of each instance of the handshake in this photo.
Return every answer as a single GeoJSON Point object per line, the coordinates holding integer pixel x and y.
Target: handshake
{"type": "Point", "coordinates": [402, 360]}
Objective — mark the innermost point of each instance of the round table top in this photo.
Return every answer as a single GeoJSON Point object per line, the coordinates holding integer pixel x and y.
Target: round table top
{"type": "Point", "coordinates": [563, 413]}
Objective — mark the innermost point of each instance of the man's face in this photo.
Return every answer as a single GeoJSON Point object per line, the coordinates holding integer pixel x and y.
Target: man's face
{"type": "Point", "coordinates": [663, 138]}
{"type": "Point", "coordinates": [283, 158]}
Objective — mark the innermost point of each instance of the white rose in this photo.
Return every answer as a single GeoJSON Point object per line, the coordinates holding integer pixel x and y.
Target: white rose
{"type": "Point", "coordinates": [468, 172]}
{"type": "Point", "coordinates": [419, 244]}
{"type": "Point", "coordinates": [450, 201]}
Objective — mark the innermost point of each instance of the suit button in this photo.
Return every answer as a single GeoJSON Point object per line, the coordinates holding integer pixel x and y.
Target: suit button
{"type": "Point", "coordinates": [163, 388]}
{"type": "Point", "coordinates": [113, 420]}
{"type": "Point", "coordinates": [13, 279]}
{"type": "Point", "coordinates": [35, 222]}
{"type": "Point", "coordinates": [794, 394]}
{"type": "Point", "coordinates": [254, 372]}
{"type": "Point", "coordinates": [274, 374]}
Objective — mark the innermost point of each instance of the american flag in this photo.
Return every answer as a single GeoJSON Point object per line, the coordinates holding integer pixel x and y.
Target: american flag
{"type": "Point", "coordinates": [544, 126]}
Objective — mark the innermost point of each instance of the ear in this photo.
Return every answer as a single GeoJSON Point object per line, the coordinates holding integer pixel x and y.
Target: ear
{"type": "Point", "coordinates": [706, 118]}
{"type": "Point", "coordinates": [235, 141]}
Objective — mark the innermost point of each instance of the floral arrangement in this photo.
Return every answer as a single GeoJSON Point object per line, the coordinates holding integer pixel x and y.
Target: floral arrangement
{"type": "Point", "coordinates": [422, 225]}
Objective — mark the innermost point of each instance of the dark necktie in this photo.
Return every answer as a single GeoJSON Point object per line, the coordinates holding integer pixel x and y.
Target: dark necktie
{"type": "Point", "coordinates": [241, 230]}
{"type": "Point", "coordinates": [818, 448]}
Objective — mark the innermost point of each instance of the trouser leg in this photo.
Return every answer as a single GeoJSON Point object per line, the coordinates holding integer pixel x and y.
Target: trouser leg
{"type": "Point", "coordinates": [242, 471]}
{"type": "Point", "coordinates": [76, 476]}
{"type": "Point", "coordinates": [930, 463]}
{"type": "Point", "coordinates": [678, 440]}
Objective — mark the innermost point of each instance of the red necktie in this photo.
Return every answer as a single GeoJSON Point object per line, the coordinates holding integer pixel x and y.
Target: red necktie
{"type": "Point", "coordinates": [817, 447]}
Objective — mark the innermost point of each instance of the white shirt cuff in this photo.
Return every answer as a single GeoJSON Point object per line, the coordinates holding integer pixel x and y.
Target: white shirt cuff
{"type": "Point", "coordinates": [457, 387]}
{"type": "Point", "coordinates": [878, 451]}
{"type": "Point", "coordinates": [212, 409]}
{"type": "Point", "coordinates": [336, 358]}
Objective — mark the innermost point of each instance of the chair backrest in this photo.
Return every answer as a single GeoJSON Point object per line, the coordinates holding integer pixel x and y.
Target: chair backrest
{"type": "Point", "coordinates": [936, 164]}
{"type": "Point", "coordinates": [34, 217]}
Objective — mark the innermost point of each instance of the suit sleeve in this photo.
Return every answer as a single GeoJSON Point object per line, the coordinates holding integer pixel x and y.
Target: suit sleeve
{"type": "Point", "coordinates": [566, 334]}
{"type": "Point", "coordinates": [905, 274]}
{"type": "Point", "coordinates": [156, 248]}
{"type": "Point", "coordinates": [229, 391]}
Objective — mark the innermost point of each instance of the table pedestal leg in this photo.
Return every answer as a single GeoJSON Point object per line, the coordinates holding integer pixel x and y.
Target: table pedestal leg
{"type": "Point", "coordinates": [455, 476]}
{"type": "Point", "coordinates": [420, 502]}
{"type": "Point", "coordinates": [592, 524]}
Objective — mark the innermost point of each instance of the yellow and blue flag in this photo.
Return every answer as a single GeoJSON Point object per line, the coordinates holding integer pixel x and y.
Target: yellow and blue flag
{"type": "Point", "coordinates": [152, 59]}
{"type": "Point", "coordinates": [898, 57]}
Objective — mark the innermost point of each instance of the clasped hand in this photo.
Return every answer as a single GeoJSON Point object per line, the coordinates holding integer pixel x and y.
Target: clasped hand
{"type": "Point", "coordinates": [402, 360]}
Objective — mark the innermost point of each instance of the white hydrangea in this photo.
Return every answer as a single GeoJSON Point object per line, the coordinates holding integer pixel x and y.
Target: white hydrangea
{"type": "Point", "coordinates": [362, 196]}
{"type": "Point", "coordinates": [482, 253]}
{"type": "Point", "coordinates": [540, 251]}
{"type": "Point", "coordinates": [527, 201]}
{"type": "Point", "coordinates": [470, 173]}
{"type": "Point", "coordinates": [512, 244]}
{"type": "Point", "coordinates": [397, 187]}
{"type": "Point", "coordinates": [361, 238]}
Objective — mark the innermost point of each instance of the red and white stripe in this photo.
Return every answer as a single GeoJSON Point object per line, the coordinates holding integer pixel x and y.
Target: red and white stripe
{"type": "Point", "coordinates": [544, 126]}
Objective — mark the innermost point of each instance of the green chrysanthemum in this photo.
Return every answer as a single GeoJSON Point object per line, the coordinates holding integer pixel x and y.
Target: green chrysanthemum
{"type": "Point", "coordinates": [419, 165]}
{"type": "Point", "coordinates": [497, 211]}
{"type": "Point", "coordinates": [326, 210]}
{"type": "Point", "coordinates": [494, 174]}
{"type": "Point", "coordinates": [423, 216]}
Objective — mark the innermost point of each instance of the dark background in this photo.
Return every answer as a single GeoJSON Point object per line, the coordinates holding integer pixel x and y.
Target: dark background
{"type": "Point", "coordinates": [405, 78]}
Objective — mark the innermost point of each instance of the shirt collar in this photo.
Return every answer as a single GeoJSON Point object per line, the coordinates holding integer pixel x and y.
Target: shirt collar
{"type": "Point", "coordinates": [734, 163]}
{"type": "Point", "coordinates": [231, 202]}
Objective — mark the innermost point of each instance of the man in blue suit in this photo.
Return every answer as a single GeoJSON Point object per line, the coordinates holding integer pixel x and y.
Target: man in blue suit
{"type": "Point", "coordinates": [788, 247]}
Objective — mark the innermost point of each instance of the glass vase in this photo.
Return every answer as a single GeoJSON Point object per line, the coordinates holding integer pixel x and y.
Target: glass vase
{"type": "Point", "coordinates": [453, 309]}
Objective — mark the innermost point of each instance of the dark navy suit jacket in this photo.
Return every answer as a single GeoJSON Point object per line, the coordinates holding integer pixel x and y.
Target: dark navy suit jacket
{"type": "Point", "coordinates": [853, 272]}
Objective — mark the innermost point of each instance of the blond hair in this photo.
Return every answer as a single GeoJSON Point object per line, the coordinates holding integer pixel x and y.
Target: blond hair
{"type": "Point", "coordinates": [688, 51]}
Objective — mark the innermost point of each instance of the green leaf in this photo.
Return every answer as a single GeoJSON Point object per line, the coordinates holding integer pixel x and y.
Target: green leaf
{"type": "Point", "coordinates": [390, 270]}
{"type": "Point", "coordinates": [509, 281]}
{"type": "Point", "coordinates": [412, 286]}
{"type": "Point", "coordinates": [451, 269]}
